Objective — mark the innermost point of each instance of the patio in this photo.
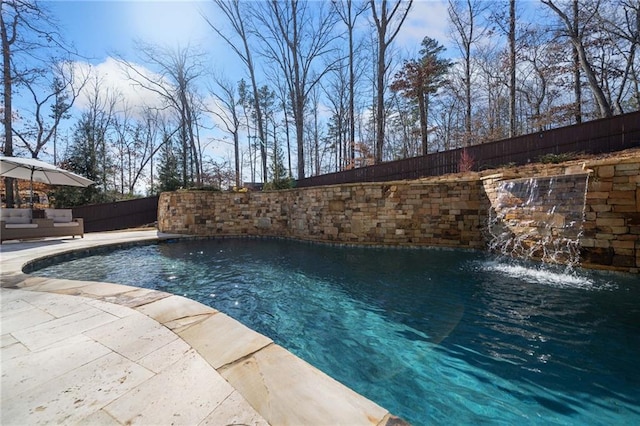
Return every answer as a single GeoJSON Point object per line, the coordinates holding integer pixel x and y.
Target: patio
{"type": "Point", "coordinates": [100, 353]}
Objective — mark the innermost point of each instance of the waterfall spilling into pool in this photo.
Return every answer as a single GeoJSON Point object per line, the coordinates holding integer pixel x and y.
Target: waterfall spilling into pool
{"type": "Point", "coordinates": [539, 218]}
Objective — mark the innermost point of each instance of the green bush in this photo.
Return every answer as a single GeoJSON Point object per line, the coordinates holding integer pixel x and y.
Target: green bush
{"type": "Point", "coordinates": [558, 158]}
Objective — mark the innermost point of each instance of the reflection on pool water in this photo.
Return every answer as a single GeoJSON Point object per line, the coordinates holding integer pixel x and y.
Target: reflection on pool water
{"type": "Point", "coordinates": [434, 336]}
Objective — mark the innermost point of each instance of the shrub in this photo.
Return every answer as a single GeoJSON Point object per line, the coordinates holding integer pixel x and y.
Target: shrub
{"type": "Point", "coordinates": [557, 158]}
{"type": "Point", "coordinates": [466, 162]}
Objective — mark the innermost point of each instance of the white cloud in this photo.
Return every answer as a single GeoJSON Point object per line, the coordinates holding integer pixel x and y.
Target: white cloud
{"type": "Point", "coordinates": [167, 23]}
{"type": "Point", "coordinates": [426, 18]}
{"type": "Point", "coordinates": [110, 78]}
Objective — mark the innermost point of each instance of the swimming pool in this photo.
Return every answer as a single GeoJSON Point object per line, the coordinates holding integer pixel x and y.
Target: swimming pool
{"type": "Point", "coordinates": [434, 336]}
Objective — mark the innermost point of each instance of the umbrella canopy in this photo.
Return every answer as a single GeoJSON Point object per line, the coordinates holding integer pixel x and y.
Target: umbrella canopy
{"type": "Point", "coordinates": [39, 171]}
{"type": "Point", "coordinates": [35, 170]}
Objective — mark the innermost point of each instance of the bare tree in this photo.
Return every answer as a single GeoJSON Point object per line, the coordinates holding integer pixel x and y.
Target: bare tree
{"type": "Point", "coordinates": [132, 147]}
{"type": "Point", "coordinates": [295, 39]}
{"type": "Point", "coordinates": [176, 72]}
{"type": "Point", "coordinates": [90, 153]}
{"type": "Point", "coordinates": [507, 24]}
{"type": "Point", "coordinates": [388, 20]}
{"type": "Point", "coordinates": [512, 68]}
{"type": "Point", "coordinates": [336, 90]}
{"type": "Point", "coordinates": [147, 143]}
{"type": "Point", "coordinates": [27, 33]}
{"type": "Point", "coordinates": [284, 100]}
{"type": "Point", "coordinates": [490, 98]}
{"type": "Point", "coordinates": [349, 13]}
{"type": "Point", "coordinates": [228, 111]}
{"type": "Point", "coordinates": [540, 59]}
{"type": "Point", "coordinates": [64, 88]}
{"type": "Point", "coordinates": [464, 16]}
{"type": "Point", "coordinates": [620, 23]}
{"type": "Point", "coordinates": [237, 18]}
{"type": "Point", "coordinates": [574, 31]}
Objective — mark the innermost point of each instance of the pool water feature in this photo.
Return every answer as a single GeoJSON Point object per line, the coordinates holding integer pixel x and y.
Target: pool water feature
{"type": "Point", "coordinates": [539, 218]}
{"type": "Point", "coordinates": [434, 336]}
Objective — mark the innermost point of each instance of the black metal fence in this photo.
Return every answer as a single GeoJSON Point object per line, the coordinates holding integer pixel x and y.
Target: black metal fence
{"type": "Point", "coordinates": [118, 215]}
{"type": "Point", "coordinates": [594, 137]}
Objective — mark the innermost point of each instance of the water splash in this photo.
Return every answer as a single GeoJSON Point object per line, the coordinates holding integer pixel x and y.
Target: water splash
{"type": "Point", "coordinates": [539, 218]}
{"type": "Point", "coordinates": [557, 278]}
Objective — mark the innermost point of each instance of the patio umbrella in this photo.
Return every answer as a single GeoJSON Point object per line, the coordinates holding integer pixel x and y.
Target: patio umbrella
{"type": "Point", "coordinates": [39, 171]}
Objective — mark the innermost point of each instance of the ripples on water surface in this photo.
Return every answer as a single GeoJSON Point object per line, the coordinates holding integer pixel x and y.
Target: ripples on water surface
{"type": "Point", "coordinates": [435, 336]}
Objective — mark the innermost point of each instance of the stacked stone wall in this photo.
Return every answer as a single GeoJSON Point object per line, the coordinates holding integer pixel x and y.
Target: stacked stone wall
{"type": "Point", "coordinates": [443, 213]}
{"type": "Point", "coordinates": [450, 211]}
{"type": "Point", "coordinates": [612, 220]}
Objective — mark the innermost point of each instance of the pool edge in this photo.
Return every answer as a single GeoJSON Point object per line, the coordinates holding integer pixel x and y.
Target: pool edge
{"type": "Point", "coordinates": [280, 386]}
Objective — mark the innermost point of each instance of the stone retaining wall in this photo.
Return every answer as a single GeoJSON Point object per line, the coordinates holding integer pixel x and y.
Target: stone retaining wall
{"type": "Point", "coordinates": [440, 213]}
{"type": "Point", "coordinates": [451, 211]}
{"type": "Point", "coordinates": [612, 220]}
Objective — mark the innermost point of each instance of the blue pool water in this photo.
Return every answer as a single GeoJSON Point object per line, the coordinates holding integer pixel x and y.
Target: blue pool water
{"type": "Point", "coordinates": [434, 336]}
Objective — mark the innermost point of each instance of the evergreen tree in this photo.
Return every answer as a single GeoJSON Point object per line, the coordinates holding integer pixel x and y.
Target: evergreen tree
{"type": "Point", "coordinates": [169, 172]}
{"type": "Point", "coordinates": [86, 158]}
{"type": "Point", "coordinates": [280, 180]}
{"type": "Point", "coordinates": [420, 79]}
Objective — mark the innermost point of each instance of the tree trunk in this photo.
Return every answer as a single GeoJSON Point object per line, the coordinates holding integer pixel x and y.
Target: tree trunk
{"type": "Point", "coordinates": [380, 100]}
{"type": "Point", "coordinates": [577, 84]}
{"type": "Point", "coordinates": [384, 41]}
{"type": "Point", "coordinates": [352, 113]}
{"type": "Point", "coordinates": [422, 108]}
{"type": "Point", "coordinates": [572, 27]}
{"type": "Point", "coordinates": [512, 68]}
{"type": "Point", "coordinates": [7, 97]}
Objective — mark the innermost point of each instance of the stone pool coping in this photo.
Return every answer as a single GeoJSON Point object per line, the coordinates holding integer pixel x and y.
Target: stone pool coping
{"type": "Point", "coordinates": [79, 351]}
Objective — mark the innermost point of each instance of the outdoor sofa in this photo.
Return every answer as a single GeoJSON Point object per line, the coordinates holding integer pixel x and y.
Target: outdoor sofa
{"type": "Point", "coordinates": [18, 224]}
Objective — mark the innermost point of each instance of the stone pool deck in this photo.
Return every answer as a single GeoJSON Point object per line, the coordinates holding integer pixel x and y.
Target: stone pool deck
{"type": "Point", "coordinates": [78, 352]}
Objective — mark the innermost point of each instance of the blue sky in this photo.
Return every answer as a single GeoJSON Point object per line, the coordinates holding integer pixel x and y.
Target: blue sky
{"type": "Point", "coordinates": [101, 30]}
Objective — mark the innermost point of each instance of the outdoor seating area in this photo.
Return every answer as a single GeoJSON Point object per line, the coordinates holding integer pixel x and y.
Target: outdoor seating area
{"type": "Point", "coordinates": [20, 224]}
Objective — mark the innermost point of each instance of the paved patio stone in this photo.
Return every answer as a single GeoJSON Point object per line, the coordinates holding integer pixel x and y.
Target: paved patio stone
{"type": "Point", "coordinates": [134, 336]}
{"type": "Point", "coordinates": [163, 357]}
{"type": "Point", "coordinates": [221, 340]}
{"type": "Point", "coordinates": [19, 315]}
{"type": "Point", "coordinates": [160, 401]}
{"type": "Point", "coordinates": [47, 333]}
{"type": "Point", "coordinates": [227, 413]}
{"type": "Point", "coordinates": [81, 352]}
{"type": "Point", "coordinates": [76, 394]}
{"type": "Point", "coordinates": [179, 325]}
{"type": "Point", "coordinates": [173, 308]}
{"type": "Point", "coordinates": [31, 369]}
{"type": "Point", "coordinates": [285, 389]}
{"type": "Point", "coordinates": [137, 297]}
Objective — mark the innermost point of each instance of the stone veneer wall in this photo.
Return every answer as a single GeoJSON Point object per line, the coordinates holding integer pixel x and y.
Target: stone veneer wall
{"type": "Point", "coordinates": [420, 213]}
{"type": "Point", "coordinates": [612, 220]}
{"type": "Point", "coordinates": [451, 211]}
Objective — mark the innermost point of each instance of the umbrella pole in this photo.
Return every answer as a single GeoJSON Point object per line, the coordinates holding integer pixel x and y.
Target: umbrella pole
{"type": "Point", "coordinates": [31, 195]}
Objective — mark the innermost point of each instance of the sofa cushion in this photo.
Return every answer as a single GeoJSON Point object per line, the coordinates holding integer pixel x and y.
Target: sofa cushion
{"type": "Point", "coordinates": [21, 225]}
{"type": "Point", "coordinates": [59, 215]}
{"type": "Point", "coordinates": [15, 216]}
{"type": "Point", "coordinates": [65, 224]}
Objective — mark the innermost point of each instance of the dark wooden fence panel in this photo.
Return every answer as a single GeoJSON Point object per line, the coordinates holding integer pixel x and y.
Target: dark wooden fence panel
{"type": "Point", "coordinates": [118, 215]}
{"type": "Point", "coordinates": [594, 137]}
